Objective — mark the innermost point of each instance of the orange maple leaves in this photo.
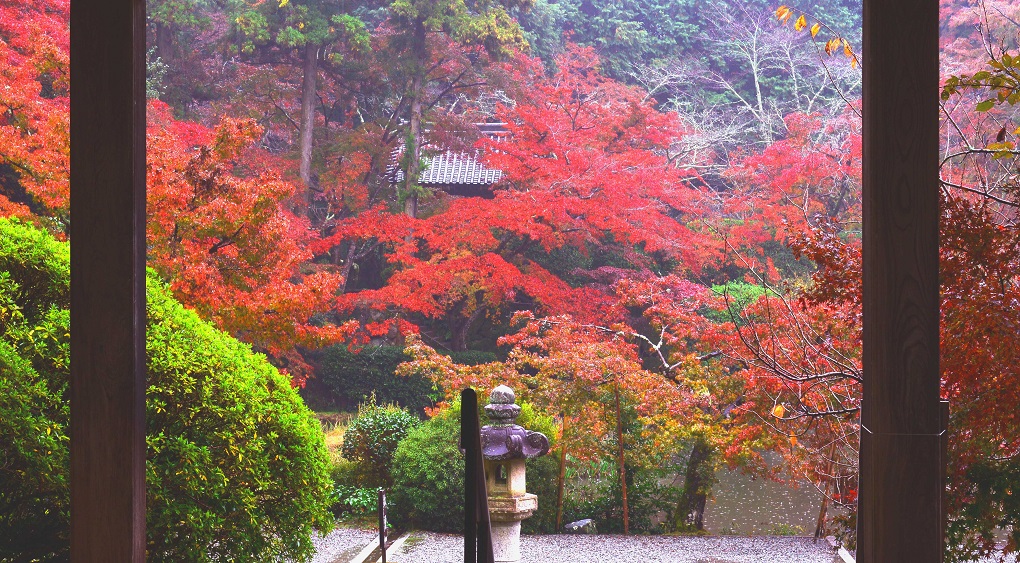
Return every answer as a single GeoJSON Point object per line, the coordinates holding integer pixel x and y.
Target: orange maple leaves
{"type": "Point", "coordinates": [221, 231]}
{"type": "Point", "coordinates": [35, 107]}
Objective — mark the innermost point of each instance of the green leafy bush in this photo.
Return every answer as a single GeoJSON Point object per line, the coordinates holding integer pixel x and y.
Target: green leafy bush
{"type": "Point", "coordinates": [350, 490]}
{"type": "Point", "coordinates": [371, 439]}
{"type": "Point", "coordinates": [594, 492]}
{"type": "Point", "coordinates": [543, 472]}
{"type": "Point", "coordinates": [428, 474]}
{"type": "Point", "coordinates": [354, 501]}
{"type": "Point", "coordinates": [236, 468]}
{"type": "Point", "coordinates": [737, 297]}
{"type": "Point", "coordinates": [34, 415]}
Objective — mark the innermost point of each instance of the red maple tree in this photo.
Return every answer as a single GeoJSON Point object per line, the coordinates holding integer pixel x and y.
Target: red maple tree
{"type": "Point", "coordinates": [585, 173]}
{"type": "Point", "coordinates": [221, 230]}
{"type": "Point", "coordinates": [34, 110]}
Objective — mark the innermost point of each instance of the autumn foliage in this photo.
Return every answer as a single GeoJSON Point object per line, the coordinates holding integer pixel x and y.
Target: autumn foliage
{"type": "Point", "coordinates": [671, 271]}
{"type": "Point", "coordinates": [34, 105]}
{"type": "Point", "coordinates": [221, 229]}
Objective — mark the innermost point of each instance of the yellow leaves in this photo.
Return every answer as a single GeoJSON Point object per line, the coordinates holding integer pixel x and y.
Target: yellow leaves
{"type": "Point", "coordinates": [831, 45]}
{"type": "Point", "coordinates": [284, 3]}
{"type": "Point", "coordinates": [1003, 146]}
{"type": "Point", "coordinates": [1002, 149]}
{"type": "Point", "coordinates": [778, 411]}
{"type": "Point", "coordinates": [784, 13]}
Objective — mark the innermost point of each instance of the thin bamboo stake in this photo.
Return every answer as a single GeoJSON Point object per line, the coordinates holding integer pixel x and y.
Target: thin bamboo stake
{"type": "Point", "coordinates": [560, 484]}
{"type": "Point", "coordinates": [620, 459]}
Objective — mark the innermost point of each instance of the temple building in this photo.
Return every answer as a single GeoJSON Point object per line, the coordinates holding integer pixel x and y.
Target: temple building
{"type": "Point", "coordinates": [458, 173]}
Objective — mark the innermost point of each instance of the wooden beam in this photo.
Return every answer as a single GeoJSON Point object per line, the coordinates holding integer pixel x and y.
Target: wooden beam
{"type": "Point", "coordinates": [107, 280]}
{"type": "Point", "coordinates": [899, 511]}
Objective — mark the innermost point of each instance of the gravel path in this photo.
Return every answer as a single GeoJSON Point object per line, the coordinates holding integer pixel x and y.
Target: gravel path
{"type": "Point", "coordinates": [342, 544]}
{"type": "Point", "coordinates": [425, 547]}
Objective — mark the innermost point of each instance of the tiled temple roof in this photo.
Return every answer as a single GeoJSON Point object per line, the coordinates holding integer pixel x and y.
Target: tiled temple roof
{"type": "Point", "coordinates": [459, 173]}
{"type": "Point", "coordinates": [451, 168]}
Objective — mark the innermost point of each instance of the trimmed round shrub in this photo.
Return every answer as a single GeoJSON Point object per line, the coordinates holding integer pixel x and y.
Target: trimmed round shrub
{"type": "Point", "coordinates": [236, 466]}
{"type": "Point", "coordinates": [371, 439]}
{"type": "Point", "coordinates": [428, 474]}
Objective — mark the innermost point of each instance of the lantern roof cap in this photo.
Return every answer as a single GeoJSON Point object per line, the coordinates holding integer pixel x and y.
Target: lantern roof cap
{"type": "Point", "coordinates": [504, 439]}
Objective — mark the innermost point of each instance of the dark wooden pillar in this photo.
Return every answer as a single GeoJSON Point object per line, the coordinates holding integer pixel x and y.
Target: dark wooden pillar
{"type": "Point", "coordinates": [107, 281]}
{"type": "Point", "coordinates": [899, 517]}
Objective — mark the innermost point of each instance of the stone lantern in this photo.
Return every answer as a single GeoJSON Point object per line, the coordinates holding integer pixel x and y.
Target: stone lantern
{"type": "Point", "coordinates": [505, 447]}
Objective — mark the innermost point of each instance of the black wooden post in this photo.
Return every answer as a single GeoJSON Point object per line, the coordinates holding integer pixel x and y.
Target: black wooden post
{"type": "Point", "coordinates": [382, 523]}
{"type": "Point", "coordinates": [477, 530]}
{"type": "Point", "coordinates": [107, 281]}
{"type": "Point", "coordinates": [468, 429]}
{"type": "Point", "coordinates": [899, 512]}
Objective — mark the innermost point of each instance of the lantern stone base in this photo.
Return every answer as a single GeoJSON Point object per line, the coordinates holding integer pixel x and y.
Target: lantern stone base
{"type": "Point", "coordinates": [505, 515]}
{"type": "Point", "coordinates": [506, 541]}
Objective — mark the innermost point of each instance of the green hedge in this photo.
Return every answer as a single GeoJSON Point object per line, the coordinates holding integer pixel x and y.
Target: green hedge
{"type": "Point", "coordinates": [355, 376]}
{"type": "Point", "coordinates": [428, 475]}
{"type": "Point", "coordinates": [236, 468]}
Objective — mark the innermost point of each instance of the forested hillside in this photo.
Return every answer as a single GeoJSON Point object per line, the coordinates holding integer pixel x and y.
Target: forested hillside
{"type": "Point", "coordinates": [666, 261]}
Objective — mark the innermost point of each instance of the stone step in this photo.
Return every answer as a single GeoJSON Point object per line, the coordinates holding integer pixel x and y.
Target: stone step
{"type": "Point", "coordinates": [366, 552]}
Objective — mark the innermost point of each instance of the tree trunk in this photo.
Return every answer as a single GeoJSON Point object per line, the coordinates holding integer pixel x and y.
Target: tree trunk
{"type": "Point", "coordinates": [462, 329]}
{"type": "Point", "coordinates": [690, 509]}
{"type": "Point", "coordinates": [164, 42]}
{"type": "Point", "coordinates": [311, 67]}
{"type": "Point", "coordinates": [563, 473]}
{"type": "Point", "coordinates": [820, 526]}
{"type": "Point", "coordinates": [413, 150]}
{"type": "Point", "coordinates": [347, 269]}
{"type": "Point", "coordinates": [621, 461]}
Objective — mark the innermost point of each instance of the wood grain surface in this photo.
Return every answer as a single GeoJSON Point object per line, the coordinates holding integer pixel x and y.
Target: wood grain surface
{"type": "Point", "coordinates": [107, 281]}
{"type": "Point", "coordinates": [899, 518]}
